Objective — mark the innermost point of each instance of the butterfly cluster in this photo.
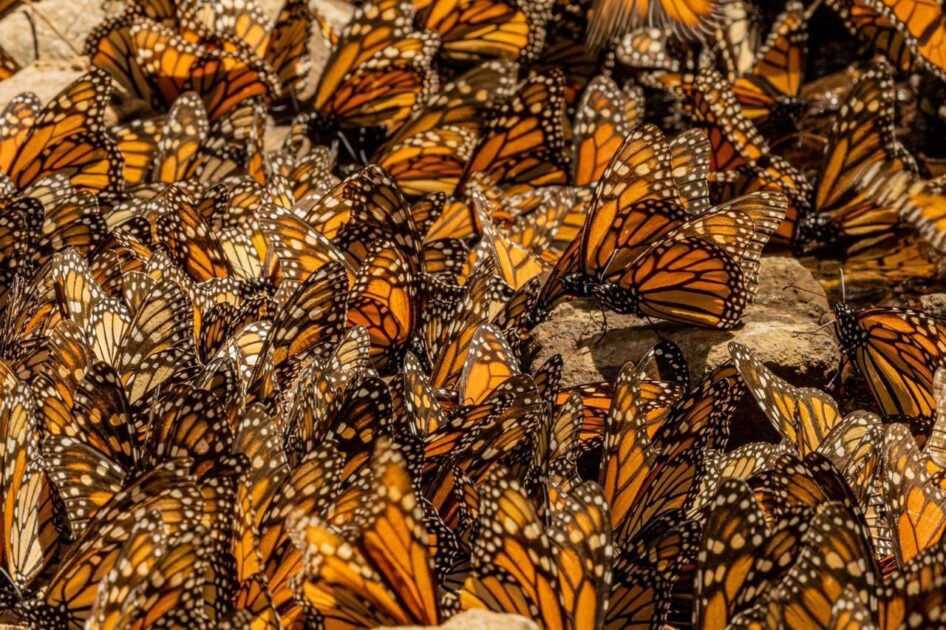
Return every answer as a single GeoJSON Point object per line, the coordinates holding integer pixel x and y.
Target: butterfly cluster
{"type": "Point", "coordinates": [249, 382]}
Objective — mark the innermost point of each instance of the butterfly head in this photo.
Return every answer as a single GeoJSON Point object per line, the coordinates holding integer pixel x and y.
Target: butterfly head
{"type": "Point", "coordinates": [815, 232]}
{"type": "Point", "coordinates": [355, 145]}
{"type": "Point", "coordinates": [577, 284]}
{"type": "Point", "coordinates": [616, 298]}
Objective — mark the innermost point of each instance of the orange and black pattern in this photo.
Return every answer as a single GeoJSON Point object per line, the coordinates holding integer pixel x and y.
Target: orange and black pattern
{"type": "Point", "coordinates": [277, 287]}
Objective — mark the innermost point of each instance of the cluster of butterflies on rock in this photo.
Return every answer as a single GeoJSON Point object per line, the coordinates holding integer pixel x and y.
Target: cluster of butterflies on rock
{"type": "Point", "coordinates": [248, 383]}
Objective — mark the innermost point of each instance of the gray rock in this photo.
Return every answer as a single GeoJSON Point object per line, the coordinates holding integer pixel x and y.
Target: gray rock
{"type": "Point", "coordinates": [934, 304]}
{"type": "Point", "coordinates": [480, 620]}
{"type": "Point", "coordinates": [60, 28]}
{"type": "Point", "coordinates": [45, 79]}
{"type": "Point", "coordinates": [779, 327]}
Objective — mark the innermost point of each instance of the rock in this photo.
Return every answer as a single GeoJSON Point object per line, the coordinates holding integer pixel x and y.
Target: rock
{"type": "Point", "coordinates": [934, 304]}
{"type": "Point", "coordinates": [59, 26]}
{"type": "Point", "coordinates": [480, 620]}
{"type": "Point", "coordinates": [44, 79]}
{"type": "Point", "coordinates": [779, 327]}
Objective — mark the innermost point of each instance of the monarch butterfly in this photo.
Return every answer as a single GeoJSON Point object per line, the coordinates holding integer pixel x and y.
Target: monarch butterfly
{"type": "Point", "coordinates": [518, 568]}
{"type": "Point", "coordinates": [222, 79]}
{"type": "Point", "coordinates": [299, 247]}
{"type": "Point", "coordinates": [917, 504]}
{"type": "Point", "coordinates": [266, 504]}
{"type": "Point", "coordinates": [103, 436]}
{"type": "Point", "coordinates": [567, 49]}
{"type": "Point", "coordinates": [719, 248]}
{"type": "Point", "coordinates": [605, 117]}
{"type": "Point", "coordinates": [777, 75]}
{"type": "Point", "coordinates": [539, 218]}
{"type": "Point", "coordinates": [188, 421]}
{"type": "Point", "coordinates": [490, 361]}
{"type": "Point", "coordinates": [766, 82]}
{"type": "Point", "coordinates": [283, 44]}
{"type": "Point", "coordinates": [852, 446]}
{"type": "Point", "coordinates": [54, 217]}
{"type": "Point", "coordinates": [516, 265]}
{"type": "Point", "coordinates": [110, 46]}
{"type": "Point", "coordinates": [462, 101]}
{"type": "Point", "coordinates": [378, 72]}
{"type": "Point", "coordinates": [901, 257]}
{"type": "Point", "coordinates": [812, 585]}
{"type": "Point", "coordinates": [687, 19]}
{"type": "Point", "coordinates": [803, 416]}
{"type": "Point", "coordinates": [432, 161]}
{"type": "Point", "coordinates": [169, 153]}
{"type": "Point", "coordinates": [67, 136]}
{"type": "Point", "coordinates": [650, 470]}
{"type": "Point", "coordinates": [189, 240]}
{"type": "Point", "coordinates": [553, 469]}
{"type": "Point", "coordinates": [913, 591]}
{"type": "Point", "coordinates": [29, 536]}
{"type": "Point", "coordinates": [429, 152]}
{"type": "Point", "coordinates": [738, 35]}
{"type": "Point", "coordinates": [493, 431]}
{"type": "Point", "coordinates": [741, 463]}
{"type": "Point", "coordinates": [449, 335]}
{"type": "Point", "coordinates": [524, 145]}
{"type": "Point", "coordinates": [388, 591]}
{"type": "Point", "coordinates": [366, 206]}
{"type": "Point", "coordinates": [923, 27]}
{"type": "Point", "coordinates": [383, 300]}
{"type": "Point", "coordinates": [156, 573]}
{"type": "Point", "coordinates": [738, 145]}
{"type": "Point", "coordinates": [651, 462]}
{"type": "Point", "coordinates": [309, 313]}
{"type": "Point", "coordinates": [144, 344]}
{"type": "Point", "coordinates": [476, 30]}
{"type": "Point", "coordinates": [862, 186]}
{"type": "Point", "coordinates": [67, 599]}
{"type": "Point", "coordinates": [192, 20]}
{"type": "Point", "coordinates": [584, 574]}
{"type": "Point", "coordinates": [897, 351]}
{"type": "Point", "coordinates": [733, 539]}
{"type": "Point", "coordinates": [775, 556]}
{"type": "Point", "coordinates": [865, 21]}
{"type": "Point", "coordinates": [924, 209]}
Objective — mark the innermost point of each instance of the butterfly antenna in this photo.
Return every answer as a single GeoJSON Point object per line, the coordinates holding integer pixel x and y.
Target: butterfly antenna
{"type": "Point", "coordinates": [32, 23]}
{"type": "Point", "coordinates": [348, 147]}
{"type": "Point", "coordinates": [797, 333]}
{"type": "Point", "coordinates": [798, 288]}
{"type": "Point", "coordinates": [15, 586]}
{"type": "Point", "coordinates": [52, 27]}
{"type": "Point", "coordinates": [812, 8]}
{"type": "Point", "coordinates": [295, 102]}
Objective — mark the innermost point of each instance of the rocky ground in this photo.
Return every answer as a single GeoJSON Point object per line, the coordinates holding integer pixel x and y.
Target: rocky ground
{"type": "Point", "coordinates": [781, 327]}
